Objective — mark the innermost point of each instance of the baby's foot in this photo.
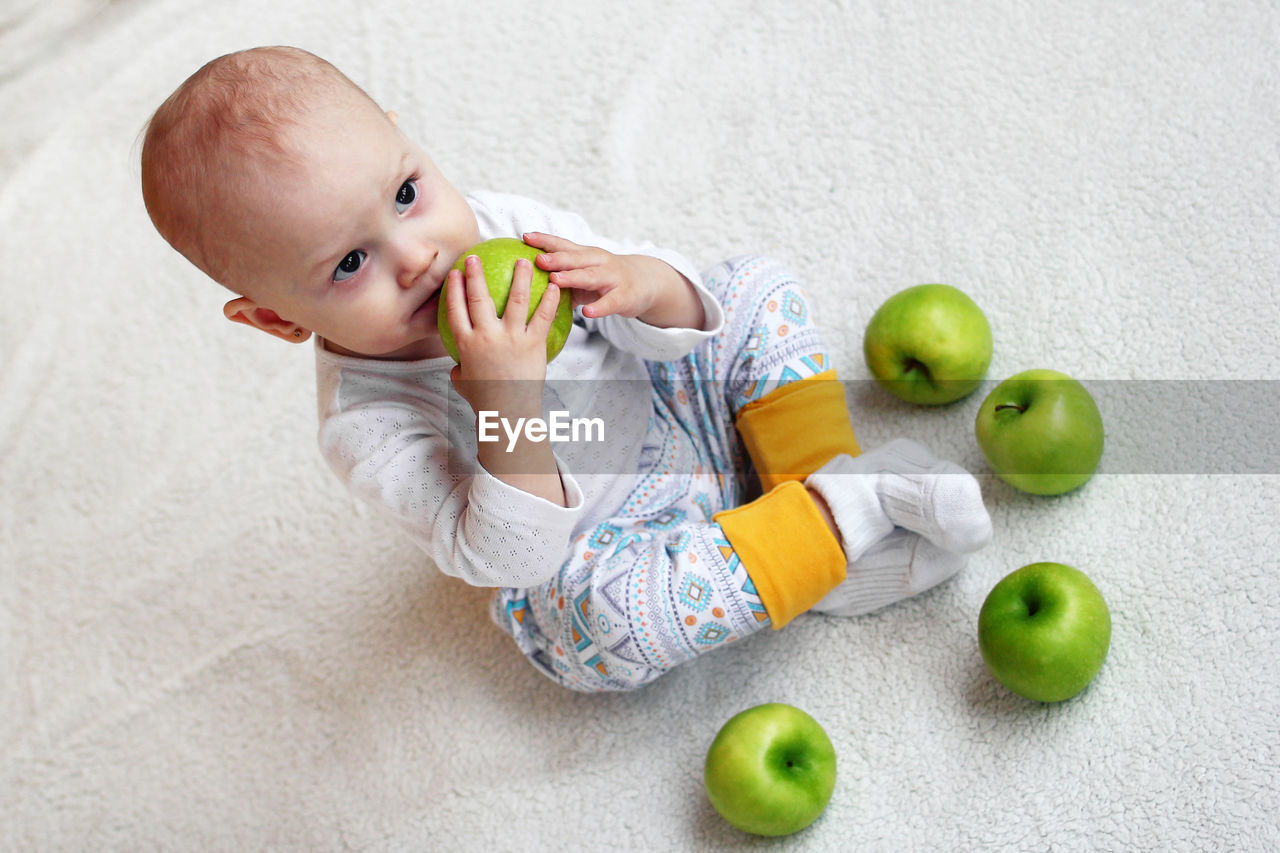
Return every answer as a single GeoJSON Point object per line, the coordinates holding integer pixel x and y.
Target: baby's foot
{"type": "Point", "coordinates": [899, 566]}
{"type": "Point", "coordinates": [912, 488]}
{"type": "Point", "coordinates": [936, 498]}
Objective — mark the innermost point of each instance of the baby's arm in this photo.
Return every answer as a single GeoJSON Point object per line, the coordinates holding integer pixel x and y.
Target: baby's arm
{"type": "Point", "coordinates": [507, 215]}
{"type": "Point", "coordinates": [502, 369]}
{"type": "Point", "coordinates": [604, 283]}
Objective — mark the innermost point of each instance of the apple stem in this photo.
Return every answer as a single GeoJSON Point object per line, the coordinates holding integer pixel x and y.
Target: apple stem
{"type": "Point", "coordinates": [912, 365]}
{"type": "Point", "coordinates": [1006, 406]}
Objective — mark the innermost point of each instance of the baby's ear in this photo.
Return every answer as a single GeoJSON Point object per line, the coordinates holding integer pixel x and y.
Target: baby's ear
{"type": "Point", "coordinates": [245, 310]}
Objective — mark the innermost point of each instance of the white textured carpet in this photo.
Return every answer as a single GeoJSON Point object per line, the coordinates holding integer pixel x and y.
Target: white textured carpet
{"type": "Point", "coordinates": [205, 646]}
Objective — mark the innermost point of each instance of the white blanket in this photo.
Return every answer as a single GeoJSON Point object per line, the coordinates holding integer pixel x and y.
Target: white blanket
{"type": "Point", "coordinates": [205, 645]}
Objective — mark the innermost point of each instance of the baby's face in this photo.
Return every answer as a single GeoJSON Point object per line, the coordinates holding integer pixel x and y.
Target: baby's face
{"type": "Point", "coordinates": [355, 241]}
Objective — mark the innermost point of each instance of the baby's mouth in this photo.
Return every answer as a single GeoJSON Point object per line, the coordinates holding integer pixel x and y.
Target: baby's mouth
{"type": "Point", "coordinates": [431, 304]}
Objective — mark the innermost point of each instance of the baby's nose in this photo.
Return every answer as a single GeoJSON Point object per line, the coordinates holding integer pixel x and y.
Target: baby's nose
{"type": "Point", "coordinates": [415, 260]}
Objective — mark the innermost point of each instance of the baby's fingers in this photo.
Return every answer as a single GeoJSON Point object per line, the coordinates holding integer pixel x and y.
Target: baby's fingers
{"type": "Point", "coordinates": [549, 242]}
{"type": "Point", "coordinates": [455, 303]}
{"type": "Point", "coordinates": [616, 301]}
{"type": "Point", "coordinates": [540, 322]}
{"type": "Point", "coordinates": [585, 277]}
{"type": "Point", "coordinates": [480, 305]}
{"type": "Point", "coordinates": [604, 306]}
{"type": "Point", "coordinates": [517, 310]}
{"type": "Point", "coordinates": [560, 255]}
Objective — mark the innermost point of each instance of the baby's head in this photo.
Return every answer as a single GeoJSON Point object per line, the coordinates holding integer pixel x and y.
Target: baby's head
{"type": "Point", "coordinates": [284, 181]}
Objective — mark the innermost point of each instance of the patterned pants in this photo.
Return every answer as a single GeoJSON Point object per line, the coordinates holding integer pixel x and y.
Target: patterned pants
{"type": "Point", "coordinates": [658, 583]}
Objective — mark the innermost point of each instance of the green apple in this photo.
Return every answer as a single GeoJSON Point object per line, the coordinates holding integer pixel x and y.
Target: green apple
{"type": "Point", "coordinates": [770, 770]}
{"type": "Point", "coordinates": [1041, 432]}
{"type": "Point", "coordinates": [1044, 631]}
{"type": "Point", "coordinates": [498, 258]}
{"type": "Point", "coordinates": [928, 344]}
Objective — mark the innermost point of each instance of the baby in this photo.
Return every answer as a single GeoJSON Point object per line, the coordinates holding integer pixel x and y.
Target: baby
{"type": "Point", "coordinates": [615, 557]}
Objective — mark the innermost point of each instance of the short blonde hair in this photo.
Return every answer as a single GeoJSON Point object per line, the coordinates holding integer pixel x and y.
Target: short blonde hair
{"type": "Point", "coordinates": [208, 139]}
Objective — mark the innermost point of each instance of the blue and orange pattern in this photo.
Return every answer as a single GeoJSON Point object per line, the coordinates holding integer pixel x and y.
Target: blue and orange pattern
{"type": "Point", "coordinates": [659, 584]}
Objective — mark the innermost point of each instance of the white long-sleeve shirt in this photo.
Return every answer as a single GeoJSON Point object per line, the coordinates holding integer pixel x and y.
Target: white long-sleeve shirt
{"type": "Point", "coordinates": [385, 426]}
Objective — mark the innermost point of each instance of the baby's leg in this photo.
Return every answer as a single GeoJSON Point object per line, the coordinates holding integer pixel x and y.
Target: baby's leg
{"type": "Point", "coordinates": [645, 592]}
{"type": "Point", "coordinates": [632, 603]}
{"type": "Point", "coordinates": [777, 377]}
{"type": "Point", "coordinates": [793, 419]}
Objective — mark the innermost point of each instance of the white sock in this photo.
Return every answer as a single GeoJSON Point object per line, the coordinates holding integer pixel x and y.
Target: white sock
{"type": "Point", "coordinates": [854, 502]}
{"type": "Point", "coordinates": [936, 498]}
{"type": "Point", "coordinates": [906, 522]}
{"type": "Point", "coordinates": [899, 566]}
{"type": "Point", "coordinates": [914, 489]}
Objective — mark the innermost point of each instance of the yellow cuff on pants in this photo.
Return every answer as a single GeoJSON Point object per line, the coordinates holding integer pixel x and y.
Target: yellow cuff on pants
{"type": "Point", "coordinates": [793, 558]}
{"type": "Point", "coordinates": [796, 428]}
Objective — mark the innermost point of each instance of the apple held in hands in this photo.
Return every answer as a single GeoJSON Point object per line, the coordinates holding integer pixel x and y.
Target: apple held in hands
{"type": "Point", "coordinates": [928, 344]}
{"type": "Point", "coordinates": [498, 258]}
{"type": "Point", "coordinates": [1041, 432]}
{"type": "Point", "coordinates": [770, 770]}
{"type": "Point", "coordinates": [1044, 631]}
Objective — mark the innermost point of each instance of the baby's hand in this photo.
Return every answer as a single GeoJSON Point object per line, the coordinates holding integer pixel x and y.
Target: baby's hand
{"type": "Point", "coordinates": [603, 283]}
{"type": "Point", "coordinates": [502, 360]}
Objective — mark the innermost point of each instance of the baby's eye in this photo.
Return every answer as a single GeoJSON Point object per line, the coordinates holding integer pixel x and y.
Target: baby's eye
{"type": "Point", "coordinates": [405, 197]}
{"type": "Point", "coordinates": [350, 265]}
